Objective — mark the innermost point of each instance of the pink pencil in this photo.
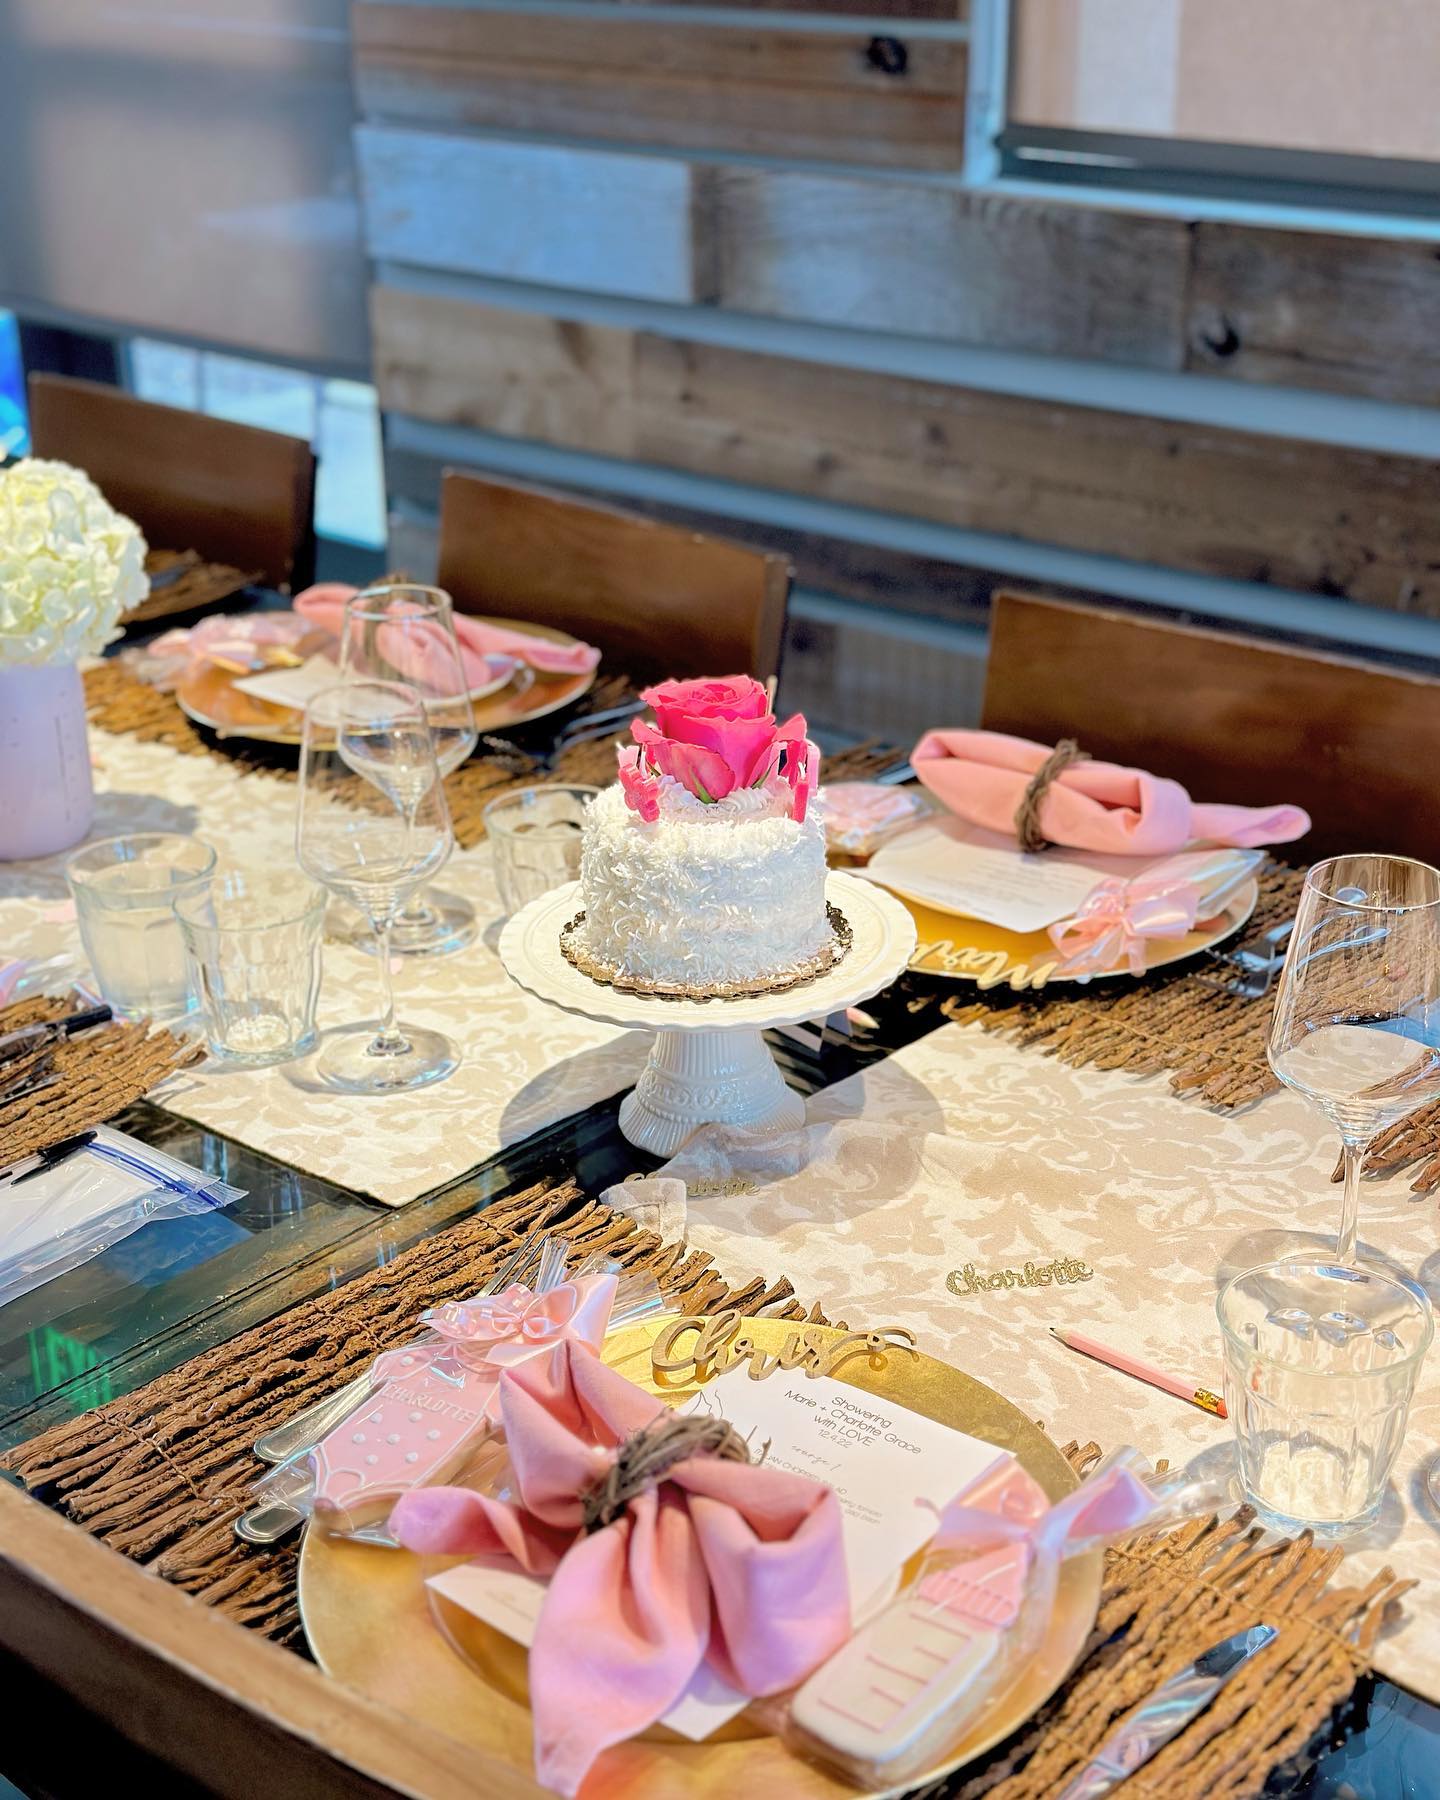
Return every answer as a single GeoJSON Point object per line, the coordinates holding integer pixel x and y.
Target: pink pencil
{"type": "Point", "coordinates": [1143, 1371]}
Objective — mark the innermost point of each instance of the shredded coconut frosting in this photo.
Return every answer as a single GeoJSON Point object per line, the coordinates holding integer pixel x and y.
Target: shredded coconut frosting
{"type": "Point", "coordinates": [732, 891]}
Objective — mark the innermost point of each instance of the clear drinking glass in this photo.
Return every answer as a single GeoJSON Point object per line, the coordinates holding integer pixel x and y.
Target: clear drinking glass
{"type": "Point", "coordinates": [373, 827]}
{"type": "Point", "coordinates": [253, 943]}
{"type": "Point", "coordinates": [400, 631]}
{"type": "Point", "coordinates": [1357, 1015]}
{"type": "Point", "coordinates": [536, 837]}
{"type": "Point", "coordinates": [125, 890]}
{"type": "Point", "coordinates": [1320, 1364]}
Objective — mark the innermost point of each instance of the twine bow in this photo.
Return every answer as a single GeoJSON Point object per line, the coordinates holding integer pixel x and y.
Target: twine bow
{"type": "Point", "coordinates": [1027, 813]}
{"type": "Point", "coordinates": [647, 1457]}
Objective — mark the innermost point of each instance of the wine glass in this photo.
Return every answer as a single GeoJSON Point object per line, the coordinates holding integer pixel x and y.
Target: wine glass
{"type": "Point", "coordinates": [400, 631]}
{"type": "Point", "coordinates": [373, 827]}
{"type": "Point", "coordinates": [1357, 1016]}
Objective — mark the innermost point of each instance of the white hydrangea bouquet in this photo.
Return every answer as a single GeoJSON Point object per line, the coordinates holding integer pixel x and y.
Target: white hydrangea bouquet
{"type": "Point", "coordinates": [70, 565]}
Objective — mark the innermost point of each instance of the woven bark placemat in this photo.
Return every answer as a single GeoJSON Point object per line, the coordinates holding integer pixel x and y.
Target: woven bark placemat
{"type": "Point", "coordinates": [162, 1474]}
{"type": "Point", "coordinates": [101, 1072]}
{"type": "Point", "coordinates": [191, 583]}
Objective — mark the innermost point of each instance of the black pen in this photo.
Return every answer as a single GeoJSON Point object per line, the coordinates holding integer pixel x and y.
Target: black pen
{"type": "Point", "coordinates": [55, 1155]}
{"type": "Point", "coordinates": [26, 1038]}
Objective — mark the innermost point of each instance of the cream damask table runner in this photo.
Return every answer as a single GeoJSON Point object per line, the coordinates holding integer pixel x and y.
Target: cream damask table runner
{"type": "Point", "coordinates": [526, 1065]}
{"type": "Point", "coordinates": [962, 1156]}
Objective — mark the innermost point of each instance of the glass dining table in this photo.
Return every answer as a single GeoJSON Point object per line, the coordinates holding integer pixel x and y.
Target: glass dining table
{"type": "Point", "coordinates": [181, 1286]}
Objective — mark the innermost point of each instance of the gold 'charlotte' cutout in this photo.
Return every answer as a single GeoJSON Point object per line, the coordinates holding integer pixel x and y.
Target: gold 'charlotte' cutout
{"type": "Point", "coordinates": [720, 1344]}
{"type": "Point", "coordinates": [1059, 1273]}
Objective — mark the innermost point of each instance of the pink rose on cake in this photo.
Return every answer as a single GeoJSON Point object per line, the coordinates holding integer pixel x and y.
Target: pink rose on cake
{"type": "Point", "coordinates": [716, 737]}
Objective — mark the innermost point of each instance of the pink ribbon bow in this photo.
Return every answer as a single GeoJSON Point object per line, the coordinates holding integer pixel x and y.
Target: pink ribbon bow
{"type": "Point", "coordinates": [497, 1331]}
{"type": "Point", "coordinates": [721, 1563]}
{"type": "Point", "coordinates": [1117, 917]}
{"type": "Point", "coordinates": [242, 640]}
{"type": "Point", "coordinates": [1010, 1527]}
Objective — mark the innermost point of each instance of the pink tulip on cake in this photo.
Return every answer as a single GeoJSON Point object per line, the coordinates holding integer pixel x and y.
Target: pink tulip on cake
{"type": "Point", "coordinates": [716, 737]}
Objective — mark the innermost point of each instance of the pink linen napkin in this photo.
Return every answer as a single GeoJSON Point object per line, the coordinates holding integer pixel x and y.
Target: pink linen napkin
{"type": "Point", "coordinates": [324, 606]}
{"type": "Point", "coordinates": [170, 657]}
{"type": "Point", "coordinates": [724, 1563]}
{"type": "Point", "coordinates": [981, 776]}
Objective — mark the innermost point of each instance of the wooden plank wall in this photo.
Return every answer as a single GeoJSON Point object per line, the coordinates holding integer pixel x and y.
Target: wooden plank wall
{"type": "Point", "coordinates": [743, 195]}
{"type": "Point", "coordinates": [1311, 309]}
{"type": "Point", "coordinates": [1219, 502]}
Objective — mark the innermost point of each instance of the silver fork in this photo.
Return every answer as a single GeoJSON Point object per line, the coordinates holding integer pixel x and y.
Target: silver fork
{"type": "Point", "coordinates": [578, 731]}
{"type": "Point", "coordinates": [276, 1519]}
{"type": "Point", "coordinates": [1249, 971]}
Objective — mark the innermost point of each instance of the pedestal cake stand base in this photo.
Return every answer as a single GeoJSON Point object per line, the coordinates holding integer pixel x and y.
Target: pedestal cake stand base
{"type": "Point", "coordinates": [709, 1063]}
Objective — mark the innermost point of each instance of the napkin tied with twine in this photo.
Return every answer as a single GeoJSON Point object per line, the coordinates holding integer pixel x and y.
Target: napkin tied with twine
{"type": "Point", "coordinates": [707, 1559]}
{"type": "Point", "coordinates": [985, 776]}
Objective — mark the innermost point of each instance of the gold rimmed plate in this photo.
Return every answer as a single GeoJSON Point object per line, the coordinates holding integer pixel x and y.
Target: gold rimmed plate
{"type": "Point", "coordinates": [369, 1622]}
{"type": "Point", "coordinates": [208, 694]}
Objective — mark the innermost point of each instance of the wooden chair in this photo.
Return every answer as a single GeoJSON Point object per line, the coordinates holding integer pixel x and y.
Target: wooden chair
{"type": "Point", "coordinates": [656, 599]}
{"type": "Point", "coordinates": [1234, 719]}
{"type": "Point", "coordinates": [235, 493]}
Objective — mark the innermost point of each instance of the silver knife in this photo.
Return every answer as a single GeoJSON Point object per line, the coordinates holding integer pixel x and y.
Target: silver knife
{"type": "Point", "coordinates": [1169, 1710]}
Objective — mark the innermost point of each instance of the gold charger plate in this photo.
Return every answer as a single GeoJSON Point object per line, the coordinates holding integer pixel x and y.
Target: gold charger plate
{"type": "Point", "coordinates": [208, 695]}
{"type": "Point", "coordinates": [369, 1624]}
{"type": "Point", "coordinates": [990, 956]}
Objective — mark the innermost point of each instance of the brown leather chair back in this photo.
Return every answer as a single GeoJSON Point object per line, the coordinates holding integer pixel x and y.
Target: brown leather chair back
{"type": "Point", "coordinates": [235, 493]}
{"type": "Point", "coordinates": [1234, 719]}
{"type": "Point", "coordinates": [656, 599]}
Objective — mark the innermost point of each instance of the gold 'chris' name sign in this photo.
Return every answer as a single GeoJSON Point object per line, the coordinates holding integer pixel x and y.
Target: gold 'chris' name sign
{"type": "Point", "coordinates": [1059, 1273]}
{"type": "Point", "coordinates": [987, 968]}
{"type": "Point", "coordinates": [694, 1349]}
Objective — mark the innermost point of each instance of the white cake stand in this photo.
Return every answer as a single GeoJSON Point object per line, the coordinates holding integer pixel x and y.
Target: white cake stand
{"type": "Point", "coordinates": [709, 1063]}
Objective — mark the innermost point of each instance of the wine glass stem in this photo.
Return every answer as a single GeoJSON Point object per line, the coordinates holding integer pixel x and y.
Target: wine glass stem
{"type": "Point", "coordinates": [389, 1040]}
{"type": "Point", "coordinates": [1350, 1205]}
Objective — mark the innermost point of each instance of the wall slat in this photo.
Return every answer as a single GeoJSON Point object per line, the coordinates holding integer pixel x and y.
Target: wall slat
{"type": "Point", "coordinates": [779, 90]}
{"type": "Point", "coordinates": [605, 222]}
{"type": "Point", "coordinates": [1351, 315]}
{"type": "Point", "coordinates": [1348, 523]}
{"type": "Point", "coordinates": [977, 269]}
{"type": "Point", "coordinates": [869, 9]}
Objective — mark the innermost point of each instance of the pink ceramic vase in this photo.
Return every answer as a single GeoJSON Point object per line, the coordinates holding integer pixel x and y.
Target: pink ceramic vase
{"type": "Point", "coordinates": [46, 798]}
